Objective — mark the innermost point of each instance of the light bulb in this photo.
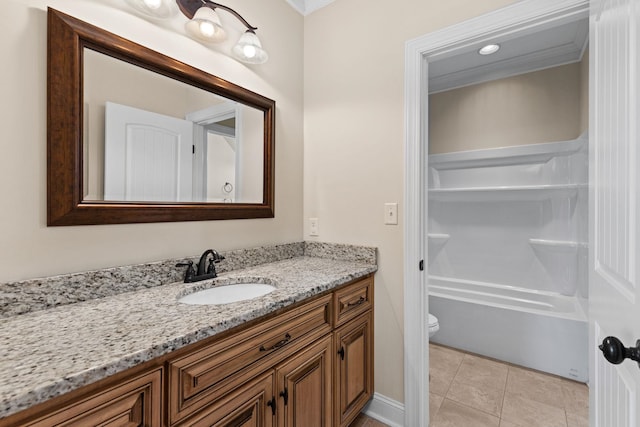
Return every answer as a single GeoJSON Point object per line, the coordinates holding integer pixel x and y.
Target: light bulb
{"type": "Point", "coordinates": [207, 28]}
{"type": "Point", "coordinates": [153, 4]}
{"type": "Point", "coordinates": [489, 49]}
{"type": "Point", "coordinates": [249, 51]}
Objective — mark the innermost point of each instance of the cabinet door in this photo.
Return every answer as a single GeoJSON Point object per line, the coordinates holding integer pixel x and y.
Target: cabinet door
{"type": "Point", "coordinates": [135, 403]}
{"type": "Point", "coordinates": [304, 387]}
{"type": "Point", "coordinates": [250, 405]}
{"type": "Point", "coordinates": [354, 368]}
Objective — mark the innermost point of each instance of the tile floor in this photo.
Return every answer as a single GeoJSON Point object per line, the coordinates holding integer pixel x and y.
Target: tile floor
{"type": "Point", "coordinates": [472, 391]}
{"type": "Point", "coordinates": [468, 390]}
{"type": "Point", "coordinates": [364, 421]}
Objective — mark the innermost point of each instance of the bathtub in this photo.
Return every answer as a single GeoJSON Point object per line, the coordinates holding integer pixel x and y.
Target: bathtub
{"type": "Point", "coordinates": [539, 330]}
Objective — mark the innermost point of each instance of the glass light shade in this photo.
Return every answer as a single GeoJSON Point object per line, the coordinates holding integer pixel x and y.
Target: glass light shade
{"type": "Point", "coordinates": [249, 49]}
{"type": "Point", "coordinates": [206, 26]}
{"type": "Point", "coordinates": [153, 4]}
{"type": "Point", "coordinates": [160, 9]}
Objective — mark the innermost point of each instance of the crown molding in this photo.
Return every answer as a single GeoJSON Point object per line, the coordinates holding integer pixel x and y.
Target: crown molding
{"type": "Point", "coordinates": [306, 7]}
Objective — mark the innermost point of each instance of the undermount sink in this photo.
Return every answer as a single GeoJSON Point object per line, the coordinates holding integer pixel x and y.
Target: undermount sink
{"type": "Point", "coordinates": [225, 294]}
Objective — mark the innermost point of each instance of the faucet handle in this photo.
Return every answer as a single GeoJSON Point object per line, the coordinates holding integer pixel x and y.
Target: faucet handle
{"type": "Point", "coordinates": [211, 268]}
{"type": "Point", "coordinates": [217, 257]}
{"type": "Point", "coordinates": [190, 273]}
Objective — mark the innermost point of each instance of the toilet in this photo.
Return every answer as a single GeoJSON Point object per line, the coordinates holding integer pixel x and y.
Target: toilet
{"type": "Point", "coordinates": [434, 326]}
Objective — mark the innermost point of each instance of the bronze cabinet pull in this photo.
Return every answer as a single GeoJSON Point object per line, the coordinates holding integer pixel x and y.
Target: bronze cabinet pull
{"type": "Point", "coordinates": [360, 301]}
{"type": "Point", "coordinates": [277, 345]}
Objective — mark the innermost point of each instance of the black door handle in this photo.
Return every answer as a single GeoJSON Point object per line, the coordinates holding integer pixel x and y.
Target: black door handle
{"type": "Point", "coordinates": [615, 352]}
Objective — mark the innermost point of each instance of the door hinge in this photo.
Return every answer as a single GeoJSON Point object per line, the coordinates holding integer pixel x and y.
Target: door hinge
{"type": "Point", "coordinates": [193, 149]}
{"type": "Point", "coordinates": [421, 265]}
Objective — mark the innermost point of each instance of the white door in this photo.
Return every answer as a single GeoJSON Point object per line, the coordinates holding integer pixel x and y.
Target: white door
{"type": "Point", "coordinates": [614, 211]}
{"type": "Point", "coordinates": [148, 156]}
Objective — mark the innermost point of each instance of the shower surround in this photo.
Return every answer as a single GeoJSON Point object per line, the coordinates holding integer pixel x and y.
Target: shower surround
{"type": "Point", "coordinates": [507, 253]}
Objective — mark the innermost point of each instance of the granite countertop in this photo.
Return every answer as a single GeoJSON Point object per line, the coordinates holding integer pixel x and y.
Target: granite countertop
{"type": "Point", "coordinates": [46, 353]}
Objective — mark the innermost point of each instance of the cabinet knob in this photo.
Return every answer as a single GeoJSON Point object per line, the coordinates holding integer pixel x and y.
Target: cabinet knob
{"type": "Point", "coordinates": [341, 353]}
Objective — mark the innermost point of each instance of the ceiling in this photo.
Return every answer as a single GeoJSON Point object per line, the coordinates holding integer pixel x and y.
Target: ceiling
{"type": "Point", "coordinates": [305, 7]}
{"type": "Point", "coordinates": [519, 53]}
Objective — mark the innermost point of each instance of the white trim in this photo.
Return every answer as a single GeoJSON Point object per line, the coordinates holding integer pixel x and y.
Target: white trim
{"type": "Point", "coordinates": [298, 5]}
{"type": "Point", "coordinates": [306, 7]}
{"type": "Point", "coordinates": [537, 61]}
{"type": "Point", "coordinates": [525, 15]}
{"type": "Point", "coordinates": [416, 355]}
{"type": "Point", "coordinates": [215, 113]}
{"type": "Point", "coordinates": [385, 410]}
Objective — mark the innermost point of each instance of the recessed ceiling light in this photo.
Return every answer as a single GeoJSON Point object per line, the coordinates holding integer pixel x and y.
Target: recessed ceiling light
{"type": "Point", "coordinates": [489, 49]}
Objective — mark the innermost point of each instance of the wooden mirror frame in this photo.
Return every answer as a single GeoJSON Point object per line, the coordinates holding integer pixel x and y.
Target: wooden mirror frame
{"type": "Point", "coordinates": [67, 37]}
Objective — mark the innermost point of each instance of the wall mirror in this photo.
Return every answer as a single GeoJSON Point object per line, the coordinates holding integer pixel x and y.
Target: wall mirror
{"type": "Point", "coordinates": [136, 136]}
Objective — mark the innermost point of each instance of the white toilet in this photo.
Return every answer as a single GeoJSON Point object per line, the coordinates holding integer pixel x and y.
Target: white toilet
{"type": "Point", "coordinates": [434, 326]}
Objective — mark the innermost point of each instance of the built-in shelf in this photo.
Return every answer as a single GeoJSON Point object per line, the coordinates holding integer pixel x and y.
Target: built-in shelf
{"type": "Point", "coordinates": [559, 244]}
{"type": "Point", "coordinates": [560, 259]}
{"type": "Point", "coordinates": [508, 209]}
{"type": "Point", "coordinates": [514, 192]}
{"type": "Point", "coordinates": [506, 156]}
{"type": "Point", "coordinates": [436, 243]}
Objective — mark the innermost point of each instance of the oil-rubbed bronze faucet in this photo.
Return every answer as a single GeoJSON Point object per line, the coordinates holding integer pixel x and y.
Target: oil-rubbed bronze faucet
{"type": "Point", "coordinates": [204, 270]}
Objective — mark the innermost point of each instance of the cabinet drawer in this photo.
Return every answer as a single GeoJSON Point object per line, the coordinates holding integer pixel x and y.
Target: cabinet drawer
{"type": "Point", "coordinates": [353, 300]}
{"type": "Point", "coordinates": [137, 402]}
{"type": "Point", "coordinates": [202, 376]}
{"type": "Point", "coordinates": [248, 405]}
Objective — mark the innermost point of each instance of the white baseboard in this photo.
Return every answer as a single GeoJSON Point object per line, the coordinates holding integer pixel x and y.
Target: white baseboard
{"type": "Point", "coordinates": [385, 410]}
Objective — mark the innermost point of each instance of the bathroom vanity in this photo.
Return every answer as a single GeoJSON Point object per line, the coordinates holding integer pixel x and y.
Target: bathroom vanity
{"type": "Point", "coordinates": [302, 355]}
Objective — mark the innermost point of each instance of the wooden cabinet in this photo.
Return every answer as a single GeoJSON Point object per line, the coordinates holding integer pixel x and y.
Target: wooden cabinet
{"type": "Point", "coordinates": [353, 368]}
{"type": "Point", "coordinates": [353, 300]}
{"type": "Point", "coordinates": [310, 365]}
{"type": "Point", "coordinates": [250, 405]}
{"type": "Point", "coordinates": [353, 338]}
{"type": "Point", "coordinates": [134, 402]}
{"type": "Point", "coordinates": [201, 377]}
{"type": "Point", "coordinates": [297, 392]}
{"type": "Point", "coordinates": [304, 387]}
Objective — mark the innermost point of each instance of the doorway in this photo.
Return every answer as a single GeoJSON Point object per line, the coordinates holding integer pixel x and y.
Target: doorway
{"type": "Point", "coordinates": [520, 18]}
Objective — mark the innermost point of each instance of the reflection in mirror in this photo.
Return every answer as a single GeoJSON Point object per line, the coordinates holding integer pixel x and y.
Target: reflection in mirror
{"type": "Point", "coordinates": [149, 138]}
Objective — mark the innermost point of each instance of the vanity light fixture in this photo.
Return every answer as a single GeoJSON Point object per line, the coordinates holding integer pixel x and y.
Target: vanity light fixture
{"type": "Point", "coordinates": [489, 49]}
{"type": "Point", "coordinates": [204, 24]}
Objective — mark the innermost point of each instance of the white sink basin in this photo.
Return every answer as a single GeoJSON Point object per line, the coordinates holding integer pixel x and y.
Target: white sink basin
{"type": "Point", "coordinates": [227, 294]}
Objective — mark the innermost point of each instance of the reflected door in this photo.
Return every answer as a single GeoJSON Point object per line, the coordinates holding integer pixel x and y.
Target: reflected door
{"type": "Point", "coordinates": [148, 156]}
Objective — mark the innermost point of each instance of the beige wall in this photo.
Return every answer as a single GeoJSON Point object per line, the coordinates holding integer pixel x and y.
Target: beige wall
{"type": "Point", "coordinates": [28, 247]}
{"type": "Point", "coordinates": [537, 107]}
{"type": "Point", "coordinates": [353, 133]}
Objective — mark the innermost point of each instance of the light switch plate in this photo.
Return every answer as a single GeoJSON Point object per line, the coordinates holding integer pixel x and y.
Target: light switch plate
{"type": "Point", "coordinates": [391, 213]}
{"type": "Point", "coordinates": [313, 227]}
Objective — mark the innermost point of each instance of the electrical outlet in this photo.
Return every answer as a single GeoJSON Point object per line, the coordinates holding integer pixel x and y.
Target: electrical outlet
{"type": "Point", "coordinates": [313, 227]}
{"type": "Point", "coordinates": [391, 213]}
